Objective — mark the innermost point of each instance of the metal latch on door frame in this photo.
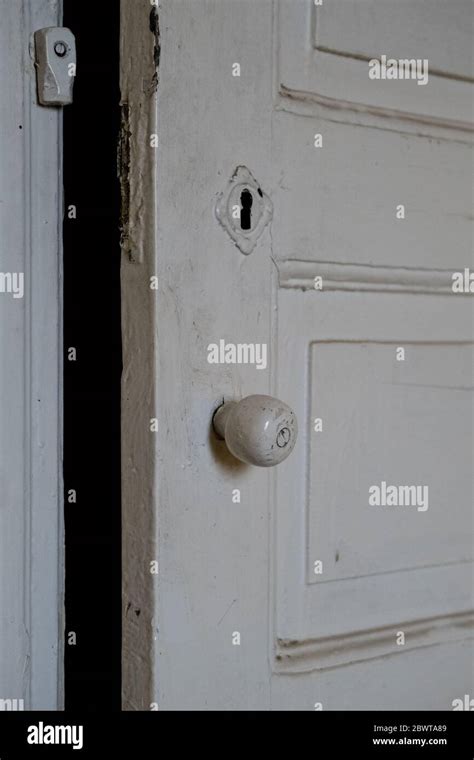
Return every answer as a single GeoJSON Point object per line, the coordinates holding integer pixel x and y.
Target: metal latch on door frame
{"type": "Point", "coordinates": [55, 61]}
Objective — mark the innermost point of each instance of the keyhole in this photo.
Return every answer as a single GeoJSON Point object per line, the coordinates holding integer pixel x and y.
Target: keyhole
{"type": "Point", "coordinates": [246, 201]}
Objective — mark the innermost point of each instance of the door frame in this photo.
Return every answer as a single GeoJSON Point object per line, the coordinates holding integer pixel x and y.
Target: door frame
{"type": "Point", "coordinates": [32, 548]}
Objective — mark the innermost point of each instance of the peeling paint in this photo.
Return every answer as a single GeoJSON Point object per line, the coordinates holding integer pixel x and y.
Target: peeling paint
{"type": "Point", "coordinates": [155, 30]}
{"type": "Point", "coordinates": [123, 173]}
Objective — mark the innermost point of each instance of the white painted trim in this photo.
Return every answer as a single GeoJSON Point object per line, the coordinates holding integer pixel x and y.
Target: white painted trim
{"type": "Point", "coordinates": [305, 655]}
{"type": "Point", "coordinates": [31, 542]}
{"type": "Point", "coordinates": [46, 379]}
{"type": "Point", "coordinates": [300, 274]}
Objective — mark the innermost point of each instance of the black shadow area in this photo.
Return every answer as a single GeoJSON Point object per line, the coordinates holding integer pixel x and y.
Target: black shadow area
{"type": "Point", "coordinates": [92, 381]}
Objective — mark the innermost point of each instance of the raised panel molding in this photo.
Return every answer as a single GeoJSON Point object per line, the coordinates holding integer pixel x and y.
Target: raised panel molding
{"type": "Point", "coordinates": [305, 655]}
{"type": "Point", "coordinates": [358, 277]}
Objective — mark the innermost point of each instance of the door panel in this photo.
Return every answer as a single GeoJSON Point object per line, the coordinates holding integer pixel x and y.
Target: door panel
{"type": "Point", "coordinates": [359, 177]}
{"type": "Point", "coordinates": [323, 56]}
{"type": "Point", "coordinates": [384, 568]}
{"type": "Point", "coordinates": [404, 423]}
{"type": "Point", "coordinates": [427, 29]}
{"type": "Point", "coordinates": [386, 283]}
{"type": "Point", "coordinates": [411, 421]}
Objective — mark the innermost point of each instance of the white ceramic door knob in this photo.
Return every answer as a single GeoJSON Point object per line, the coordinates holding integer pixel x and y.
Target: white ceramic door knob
{"type": "Point", "coordinates": [259, 430]}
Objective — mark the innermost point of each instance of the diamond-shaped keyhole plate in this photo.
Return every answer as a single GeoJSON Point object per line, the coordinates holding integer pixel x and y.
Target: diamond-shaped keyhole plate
{"type": "Point", "coordinates": [243, 209]}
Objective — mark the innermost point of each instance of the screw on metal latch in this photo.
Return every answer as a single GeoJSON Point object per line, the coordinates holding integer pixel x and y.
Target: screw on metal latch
{"type": "Point", "coordinates": [60, 48]}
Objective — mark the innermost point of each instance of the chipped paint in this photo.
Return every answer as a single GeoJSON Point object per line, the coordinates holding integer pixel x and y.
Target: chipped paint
{"type": "Point", "coordinates": [155, 30]}
{"type": "Point", "coordinates": [123, 173]}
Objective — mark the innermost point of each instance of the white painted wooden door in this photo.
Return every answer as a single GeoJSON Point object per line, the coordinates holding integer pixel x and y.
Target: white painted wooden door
{"type": "Point", "coordinates": [31, 535]}
{"type": "Point", "coordinates": [289, 588]}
